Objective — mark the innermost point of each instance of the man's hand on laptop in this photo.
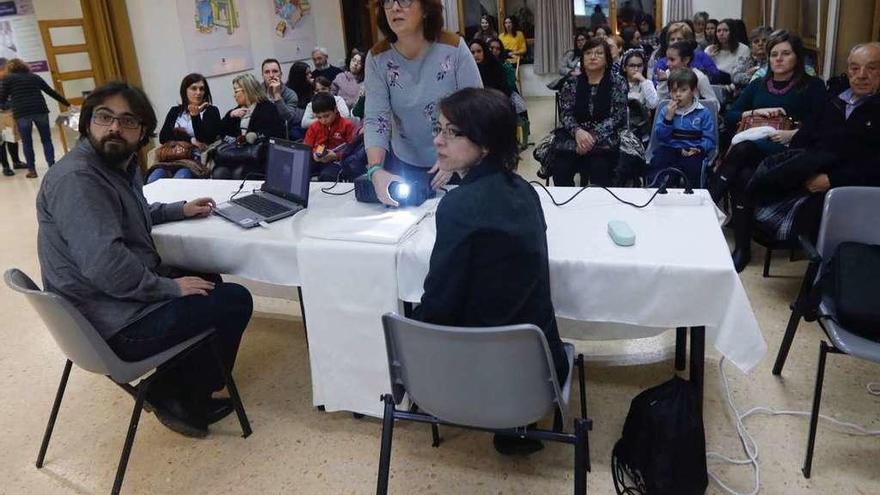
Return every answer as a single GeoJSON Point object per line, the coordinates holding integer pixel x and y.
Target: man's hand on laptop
{"type": "Point", "coordinates": [200, 207]}
{"type": "Point", "coordinates": [193, 286]}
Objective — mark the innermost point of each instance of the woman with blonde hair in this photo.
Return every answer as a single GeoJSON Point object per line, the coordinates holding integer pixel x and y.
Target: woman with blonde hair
{"type": "Point", "coordinates": [23, 91]}
{"type": "Point", "coordinates": [254, 113]}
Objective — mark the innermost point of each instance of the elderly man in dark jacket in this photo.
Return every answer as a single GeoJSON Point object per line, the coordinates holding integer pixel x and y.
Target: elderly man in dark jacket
{"type": "Point", "coordinates": [842, 148]}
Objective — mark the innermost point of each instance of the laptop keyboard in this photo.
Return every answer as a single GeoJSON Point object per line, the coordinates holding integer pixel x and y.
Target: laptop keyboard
{"type": "Point", "coordinates": [261, 205]}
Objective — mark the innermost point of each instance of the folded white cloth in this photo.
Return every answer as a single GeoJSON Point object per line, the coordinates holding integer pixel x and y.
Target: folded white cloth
{"type": "Point", "coordinates": [753, 134]}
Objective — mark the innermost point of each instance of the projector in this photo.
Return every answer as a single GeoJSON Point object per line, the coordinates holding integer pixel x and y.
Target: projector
{"type": "Point", "coordinates": [409, 193]}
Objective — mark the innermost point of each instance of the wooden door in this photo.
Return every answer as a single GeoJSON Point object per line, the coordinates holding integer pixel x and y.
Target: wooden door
{"type": "Point", "coordinates": [70, 59]}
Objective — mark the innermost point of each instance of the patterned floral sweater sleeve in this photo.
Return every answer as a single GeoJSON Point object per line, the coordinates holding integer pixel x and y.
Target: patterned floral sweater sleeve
{"type": "Point", "coordinates": [566, 105]}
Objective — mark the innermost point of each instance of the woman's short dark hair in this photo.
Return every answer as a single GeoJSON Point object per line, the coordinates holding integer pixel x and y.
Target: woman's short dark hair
{"type": "Point", "coordinates": [487, 118]}
{"type": "Point", "coordinates": [136, 98]}
{"type": "Point", "coordinates": [323, 102]}
{"type": "Point", "coordinates": [504, 52]}
{"type": "Point", "coordinates": [432, 24]}
{"type": "Point", "coordinates": [188, 81]}
{"type": "Point", "coordinates": [298, 81]}
{"type": "Point", "coordinates": [323, 81]}
{"type": "Point", "coordinates": [685, 49]}
{"type": "Point", "coordinates": [712, 21]}
{"type": "Point", "coordinates": [596, 42]}
{"type": "Point", "coordinates": [797, 46]}
{"type": "Point", "coordinates": [514, 25]}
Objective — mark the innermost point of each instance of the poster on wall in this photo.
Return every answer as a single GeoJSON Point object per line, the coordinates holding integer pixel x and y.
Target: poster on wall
{"type": "Point", "coordinates": [20, 34]}
{"type": "Point", "coordinates": [215, 36]}
{"type": "Point", "coordinates": [294, 26]}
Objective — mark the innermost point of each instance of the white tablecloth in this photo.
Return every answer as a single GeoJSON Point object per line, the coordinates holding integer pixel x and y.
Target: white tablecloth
{"type": "Point", "coordinates": [679, 273]}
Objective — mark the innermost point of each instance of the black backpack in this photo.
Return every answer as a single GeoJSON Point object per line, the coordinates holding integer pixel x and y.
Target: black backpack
{"type": "Point", "coordinates": [663, 447]}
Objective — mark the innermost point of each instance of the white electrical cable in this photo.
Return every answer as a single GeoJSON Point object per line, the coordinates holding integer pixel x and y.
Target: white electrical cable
{"type": "Point", "coordinates": [748, 442]}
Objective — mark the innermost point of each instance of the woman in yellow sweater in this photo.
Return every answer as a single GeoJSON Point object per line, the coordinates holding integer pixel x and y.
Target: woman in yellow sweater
{"type": "Point", "coordinates": [513, 38]}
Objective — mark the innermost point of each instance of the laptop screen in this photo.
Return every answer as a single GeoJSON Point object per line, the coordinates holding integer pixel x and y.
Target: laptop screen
{"type": "Point", "coordinates": [287, 171]}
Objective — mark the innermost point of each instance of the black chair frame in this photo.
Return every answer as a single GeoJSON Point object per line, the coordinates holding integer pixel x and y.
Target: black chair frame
{"type": "Point", "coordinates": [140, 392]}
{"type": "Point", "coordinates": [579, 439]}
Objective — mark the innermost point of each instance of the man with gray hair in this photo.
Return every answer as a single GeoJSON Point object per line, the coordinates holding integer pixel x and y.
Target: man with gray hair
{"type": "Point", "coordinates": [842, 148]}
{"type": "Point", "coordinates": [322, 65]}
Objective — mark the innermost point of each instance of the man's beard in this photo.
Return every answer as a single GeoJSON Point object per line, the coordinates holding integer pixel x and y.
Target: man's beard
{"type": "Point", "coordinates": [113, 148]}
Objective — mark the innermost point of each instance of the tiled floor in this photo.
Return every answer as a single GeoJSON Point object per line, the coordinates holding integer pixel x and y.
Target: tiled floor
{"type": "Point", "coordinates": [296, 449]}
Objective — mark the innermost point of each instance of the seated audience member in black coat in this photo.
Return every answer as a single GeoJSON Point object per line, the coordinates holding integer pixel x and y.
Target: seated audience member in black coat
{"type": "Point", "coordinates": [489, 265]}
{"type": "Point", "coordinates": [846, 135]}
{"type": "Point", "coordinates": [196, 117]}
{"type": "Point", "coordinates": [254, 114]}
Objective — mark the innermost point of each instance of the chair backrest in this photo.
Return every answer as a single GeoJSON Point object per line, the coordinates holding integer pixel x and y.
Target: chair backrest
{"type": "Point", "coordinates": [499, 377]}
{"type": "Point", "coordinates": [849, 214]}
{"type": "Point", "coordinates": [76, 337]}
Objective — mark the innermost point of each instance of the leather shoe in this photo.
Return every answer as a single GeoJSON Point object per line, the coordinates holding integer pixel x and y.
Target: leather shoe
{"type": "Point", "coordinates": [509, 445]}
{"type": "Point", "coordinates": [178, 416]}
{"type": "Point", "coordinates": [8, 172]}
{"type": "Point", "coordinates": [217, 409]}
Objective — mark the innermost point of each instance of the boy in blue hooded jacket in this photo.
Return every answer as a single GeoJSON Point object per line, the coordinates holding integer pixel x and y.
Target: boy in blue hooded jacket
{"type": "Point", "coordinates": [684, 130]}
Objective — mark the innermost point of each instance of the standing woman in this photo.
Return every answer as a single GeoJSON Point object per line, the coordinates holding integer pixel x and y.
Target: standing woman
{"type": "Point", "coordinates": [416, 65]}
{"type": "Point", "coordinates": [513, 38]}
{"type": "Point", "coordinates": [23, 89]}
{"type": "Point", "coordinates": [593, 107]}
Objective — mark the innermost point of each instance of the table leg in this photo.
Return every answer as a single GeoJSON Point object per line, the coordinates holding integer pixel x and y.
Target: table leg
{"type": "Point", "coordinates": [302, 310]}
{"type": "Point", "coordinates": [680, 348]}
{"type": "Point", "coordinates": [698, 355]}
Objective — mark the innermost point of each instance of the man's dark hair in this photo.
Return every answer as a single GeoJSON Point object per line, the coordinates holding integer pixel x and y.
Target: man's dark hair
{"type": "Point", "coordinates": [136, 98]}
{"type": "Point", "coordinates": [270, 61]}
{"type": "Point", "coordinates": [597, 42]}
{"type": "Point", "coordinates": [685, 49]}
{"type": "Point", "coordinates": [432, 24]}
{"type": "Point", "coordinates": [487, 118]}
{"type": "Point", "coordinates": [712, 21]}
{"type": "Point", "coordinates": [188, 81]}
{"type": "Point", "coordinates": [323, 102]}
{"type": "Point", "coordinates": [682, 77]}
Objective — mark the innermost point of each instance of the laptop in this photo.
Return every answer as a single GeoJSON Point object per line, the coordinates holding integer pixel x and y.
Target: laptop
{"type": "Point", "coordinates": [284, 192]}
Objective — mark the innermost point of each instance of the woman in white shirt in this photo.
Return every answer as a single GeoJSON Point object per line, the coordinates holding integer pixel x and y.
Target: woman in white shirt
{"type": "Point", "coordinates": [727, 52]}
{"type": "Point", "coordinates": [323, 85]}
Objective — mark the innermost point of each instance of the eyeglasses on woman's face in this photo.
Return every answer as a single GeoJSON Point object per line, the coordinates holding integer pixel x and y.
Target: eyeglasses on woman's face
{"type": "Point", "coordinates": [404, 4]}
{"type": "Point", "coordinates": [449, 132]}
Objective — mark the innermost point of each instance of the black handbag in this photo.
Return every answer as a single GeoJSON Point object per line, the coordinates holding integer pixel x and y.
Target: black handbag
{"type": "Point", "coordinates": [850, 279]}
{"type": "Point", "coordinates": [249, 156]}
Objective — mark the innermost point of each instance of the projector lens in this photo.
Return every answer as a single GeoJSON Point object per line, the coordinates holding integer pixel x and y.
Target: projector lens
{"type": "Point", "coordinates": [400, 191]}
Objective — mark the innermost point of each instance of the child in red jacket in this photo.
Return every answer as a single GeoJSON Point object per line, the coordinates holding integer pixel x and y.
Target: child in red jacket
{"type": "Point", "coordinates": [329, 136]}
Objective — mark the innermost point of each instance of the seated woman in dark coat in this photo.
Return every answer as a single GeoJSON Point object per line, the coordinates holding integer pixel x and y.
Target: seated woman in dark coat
{"type": "Point", "coordinates": [254, 114]}
{"type": "Point", "coordinates": [489, 264]}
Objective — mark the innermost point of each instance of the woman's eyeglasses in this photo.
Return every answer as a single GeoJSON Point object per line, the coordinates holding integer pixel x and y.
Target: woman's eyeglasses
{"type": "Point", "coordinates": [105, 119]}
{"type": "Point", "coordinates": [405, 4]}
{"type": "Point", "coordinates": [448, 133]}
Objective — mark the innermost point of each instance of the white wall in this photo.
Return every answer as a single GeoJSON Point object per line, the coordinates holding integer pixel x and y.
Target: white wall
{"type": "Point", "coordinates": [719, 9]}
{"type": "Point", "coordinates": [162, 60]}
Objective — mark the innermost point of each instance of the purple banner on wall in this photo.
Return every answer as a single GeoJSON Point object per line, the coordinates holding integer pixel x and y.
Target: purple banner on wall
{"type": "Point", "coordinates": [39, 66]}
{"type": "Point", "coordinates": [8, 8]}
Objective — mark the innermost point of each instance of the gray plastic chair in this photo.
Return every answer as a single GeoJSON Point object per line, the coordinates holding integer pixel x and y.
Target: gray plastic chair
{"type": "Point", "coordinates": [490, 379]}
{"type": "Point", "coordinates": [849, 214]}
{"type": "Point", "coordinates": [84, 346]}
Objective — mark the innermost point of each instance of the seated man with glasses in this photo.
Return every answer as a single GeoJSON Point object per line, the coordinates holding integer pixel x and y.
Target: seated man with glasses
{"type": "Point", "coordinates": [96, 251]}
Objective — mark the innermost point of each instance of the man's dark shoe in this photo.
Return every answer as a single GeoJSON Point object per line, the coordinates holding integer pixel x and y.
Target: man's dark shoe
{"type": "Point", "coordinates": [8, 172]}
{"type": "Point", "coordinates": [508, 445]}
{"type": "Point", "coordinates": [19, 165]}
{"type": "Point", "coordinates": [217, 409]}
{"type": "Point", "coordinates": [179, 416]}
